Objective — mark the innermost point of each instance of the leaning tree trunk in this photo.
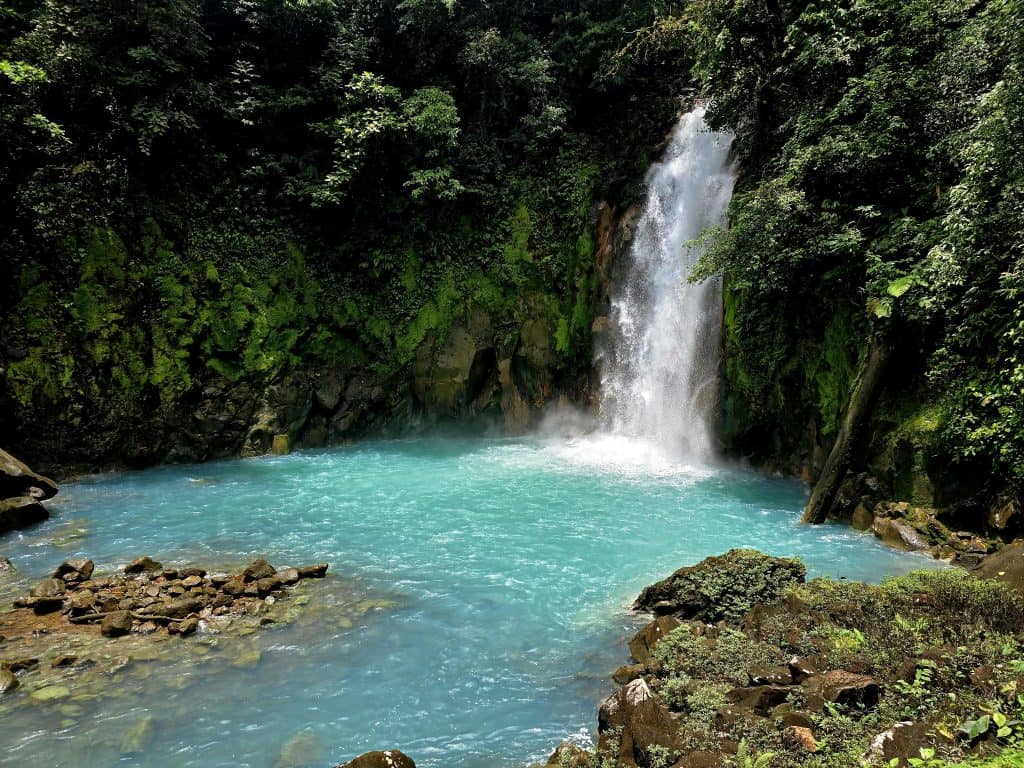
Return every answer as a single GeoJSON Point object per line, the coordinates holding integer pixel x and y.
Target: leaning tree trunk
{"type": "Point", "coordinates": [848, 441]}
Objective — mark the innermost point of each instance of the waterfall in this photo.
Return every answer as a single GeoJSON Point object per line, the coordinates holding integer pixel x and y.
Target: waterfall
{"type": "Point", "coordinates": [659, 362]}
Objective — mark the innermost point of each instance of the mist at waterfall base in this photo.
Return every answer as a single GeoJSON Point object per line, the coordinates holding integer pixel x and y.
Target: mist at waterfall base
{"type": "Point", "coordinates": [659, 359]}
{"type": "Point", "coordinates": [508, 565]}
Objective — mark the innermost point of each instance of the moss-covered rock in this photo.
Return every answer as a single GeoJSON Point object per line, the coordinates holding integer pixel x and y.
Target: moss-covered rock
{"type": "Point", "coordinates": [722, 587]}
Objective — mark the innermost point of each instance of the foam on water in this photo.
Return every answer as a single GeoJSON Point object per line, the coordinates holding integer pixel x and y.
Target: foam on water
{"type": "Point", "coordinates": [510, 563]}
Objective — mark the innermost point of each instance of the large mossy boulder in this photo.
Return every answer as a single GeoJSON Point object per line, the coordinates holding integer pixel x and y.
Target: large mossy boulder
{"type": "Point", "coordinates": [724, 587]}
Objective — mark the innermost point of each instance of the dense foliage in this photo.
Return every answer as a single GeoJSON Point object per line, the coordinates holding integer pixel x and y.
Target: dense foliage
{"type": "Point", "coordinates": [882, 192]}
{"type": "Point", "coordinates": [232, 188]}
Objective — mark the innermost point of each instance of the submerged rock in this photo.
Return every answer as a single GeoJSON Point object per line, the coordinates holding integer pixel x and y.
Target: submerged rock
{"type": "Point", "coordinates": [302, 750]}
{"type": "Point", "coordinates": [723, 587]}
{"type": "Point", "coordinates": [139, 737]}
{"type": "Point", "coordinates": [390, 758]}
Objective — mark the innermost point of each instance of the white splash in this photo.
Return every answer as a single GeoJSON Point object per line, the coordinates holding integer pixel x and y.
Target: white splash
{"type": "Point", "coordinates": [659, 363]}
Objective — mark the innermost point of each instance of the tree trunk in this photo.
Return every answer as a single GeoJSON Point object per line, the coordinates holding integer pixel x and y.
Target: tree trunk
{"type": "Point", "coordinates": [847, 446]}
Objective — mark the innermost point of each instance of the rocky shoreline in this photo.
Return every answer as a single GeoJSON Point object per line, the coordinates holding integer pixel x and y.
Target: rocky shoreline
{"type": "Point", "coordinates": [746, 664]}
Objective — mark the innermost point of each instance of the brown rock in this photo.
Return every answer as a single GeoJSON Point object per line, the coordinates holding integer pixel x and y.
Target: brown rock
{"type": "Point", "coordinates": [390, 758]}
{"type": "Point", "coordinates": [116, 624]}
{"type": "Point", "coordinates": [288, 576]}
{"type": "Point", "coordinates": [641, 647]}
{"type": "Point", "coordinates": [64, 660]}
{"type": "Point", "coordinates": [258, 569]}
{"type": "Point", "coordinates": [82, 567]}
{"type": "Point", "coordinates": [317, 571]}
{"type": "Point", "coordinates": [191, 581]}
{"type": "Point", "coordinates": [142, 565]}
{"type": "Point", "coordinates": [641, 720]}
{"type": "Point", "coordinates": [268, 585]}
{"type": "Point", "coordinates": [183, 628]}
{"type": "Point", "coordinates": [627, 673]}
{"type": "Point", "coordinates": [47, 596]}
{"type": "Point", "coordinates": [82, 601]}
{"type": "Point", "coordinates": [234, 587]}
{"type": "Point", "coordinates": [176, 609]}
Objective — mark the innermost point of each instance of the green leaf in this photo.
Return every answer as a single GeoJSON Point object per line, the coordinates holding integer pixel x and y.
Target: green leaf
{"type": "Point", "coordinates": [900, 285]}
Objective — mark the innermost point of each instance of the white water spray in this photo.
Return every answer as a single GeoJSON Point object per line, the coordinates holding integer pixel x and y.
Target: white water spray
{"type": "Point", "coordinates": [659, 364]}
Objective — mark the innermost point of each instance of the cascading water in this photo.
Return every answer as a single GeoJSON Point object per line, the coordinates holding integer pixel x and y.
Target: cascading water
{"type": "Point", "coordinates": [660, 359]}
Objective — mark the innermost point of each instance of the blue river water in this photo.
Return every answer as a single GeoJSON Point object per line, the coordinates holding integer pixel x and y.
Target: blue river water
{"type": "Point", "coordinates": [494, 579]}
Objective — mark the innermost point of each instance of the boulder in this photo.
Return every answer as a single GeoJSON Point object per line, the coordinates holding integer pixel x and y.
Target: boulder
{"type": "Point", "coordinates": [390, 758]}
{"type": "Point", "coordinates": [16, 479]}
{"type": "Point", "coordinates": [722, 587]}
{"type": "Point", "coordinates": [6, 566]}
{"type": "Point", "coordinates": [258, 569]}
{"type": "Point", "coordinates": [20, 512]}
{"type": "Point", "coordinates": [641, 721]}
{"type": "Point", "coordinates": [641, 647]}
{"type": "Point", "coordinates": [142, 564]}
{"type": "Point", "coordinates": [82, 567]}
{"type": "Point", "coordinates": [116, 624]}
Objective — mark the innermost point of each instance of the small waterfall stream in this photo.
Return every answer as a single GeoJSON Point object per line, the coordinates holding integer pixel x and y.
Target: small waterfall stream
{"type": "Point", "coordinates": [660, 360]}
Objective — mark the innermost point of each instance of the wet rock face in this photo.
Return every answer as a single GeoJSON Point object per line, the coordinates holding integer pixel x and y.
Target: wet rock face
{"type": "Point", "coordinates": [390, 758]}
{"type": "Point", "coordinates": [723, 587]}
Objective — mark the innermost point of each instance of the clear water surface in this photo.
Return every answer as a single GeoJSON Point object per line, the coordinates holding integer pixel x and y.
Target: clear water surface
{"type": "Point", "coordinates": [510, 564]}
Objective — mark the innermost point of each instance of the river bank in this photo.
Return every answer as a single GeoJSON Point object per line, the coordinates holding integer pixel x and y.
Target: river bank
{"type": "Point", "coordinates": [747, 663]}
